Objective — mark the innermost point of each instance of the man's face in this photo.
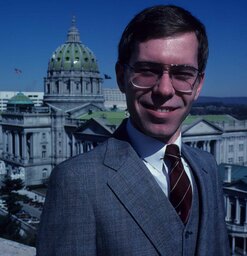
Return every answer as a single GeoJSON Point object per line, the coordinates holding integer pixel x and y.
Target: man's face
{"type": "Point", "coordinates": [159, 111]}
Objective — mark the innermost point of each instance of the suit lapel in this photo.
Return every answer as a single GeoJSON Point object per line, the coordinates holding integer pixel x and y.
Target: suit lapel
{"type": "Point", "coordinates": [137, 190]}
{"type": "Point", "coordinates": [199, 169]}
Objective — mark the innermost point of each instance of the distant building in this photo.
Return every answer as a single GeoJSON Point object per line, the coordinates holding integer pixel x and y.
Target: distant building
{"type": "Point", "coordinates": [114, 98]}
{"type": "Point", "coordinates": [36, 138]}
{"type": "Point", "coordinates": [5, 96]}
{"type": "Point", "coordinates": [235, 195]}
{"type": "Point", "coordinates": [222, 135]}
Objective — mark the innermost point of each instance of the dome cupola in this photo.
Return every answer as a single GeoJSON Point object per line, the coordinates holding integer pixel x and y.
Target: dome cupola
{"type": "Point", "coordinates": [20, 103]}
{"type": "Point", "coordinates": [73, 55]}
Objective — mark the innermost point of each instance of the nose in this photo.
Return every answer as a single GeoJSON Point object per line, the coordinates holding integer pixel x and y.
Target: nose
{"type": "Point", "coordinates": [164, 87]}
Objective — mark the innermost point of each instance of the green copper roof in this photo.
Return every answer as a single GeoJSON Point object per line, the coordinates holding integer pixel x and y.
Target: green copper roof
{"type": "Point", "coordinates": [210, 118]}
{"type": "Point", "coordinates": [73, 55]}
{"type": "Point", "coordinates": [20, 99]}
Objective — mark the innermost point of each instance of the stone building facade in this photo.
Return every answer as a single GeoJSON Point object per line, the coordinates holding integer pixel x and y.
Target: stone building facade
{"type": "Point", "coordinates": [226, 139]}
{"type": "Point", "coordinates": [34, 139]}
{"type": "Point", "coordinates": [235, 197]}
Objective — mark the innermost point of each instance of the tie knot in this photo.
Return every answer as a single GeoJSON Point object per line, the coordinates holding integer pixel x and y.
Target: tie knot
{"type": "Point", "coordinates": [172, 152]}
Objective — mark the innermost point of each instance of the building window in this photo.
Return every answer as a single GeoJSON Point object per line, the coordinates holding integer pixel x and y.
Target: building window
{"type": "Point", "coordinates": [43, 154]}
{"type": "Point", "coordinates": [43, 135]}
{"type": "Point", "coordinates": [43, 151]}
{"type": "Point", "coordinates": [230, 160]}
{"type": "Point", "coordinates": [241, 160]}
{"type": "Point", "coordinates": [230, 148]}
{"type": "Point", "coordinates": [44, 173]}
{"type": "Point", "coordinates": [241, 147]}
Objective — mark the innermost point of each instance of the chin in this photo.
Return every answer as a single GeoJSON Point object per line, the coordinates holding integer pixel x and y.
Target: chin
{"type": "Point", "coordinates": [156, 133]}
{"type": "Point", "coordinates": [160, 132]}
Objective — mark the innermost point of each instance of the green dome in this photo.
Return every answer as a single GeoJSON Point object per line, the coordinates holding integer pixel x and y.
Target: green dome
{"type": "Point", "coordinates": [20, 99]}
{"type": "Point", "coordinates": [73, 55]}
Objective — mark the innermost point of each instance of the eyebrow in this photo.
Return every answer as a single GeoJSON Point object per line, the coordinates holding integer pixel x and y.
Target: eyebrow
{"type": "Point", "coordinates": [159, 65]}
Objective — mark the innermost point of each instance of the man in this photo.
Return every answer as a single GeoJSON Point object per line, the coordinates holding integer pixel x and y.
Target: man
{"type": "Point", "coordinates": [119, 199]}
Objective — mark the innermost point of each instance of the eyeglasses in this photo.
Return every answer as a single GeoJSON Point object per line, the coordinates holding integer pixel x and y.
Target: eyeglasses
{"type": "Point", "coordinates": [148, 74]}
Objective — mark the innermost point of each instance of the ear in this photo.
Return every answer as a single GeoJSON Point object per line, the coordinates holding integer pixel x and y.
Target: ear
{"type": "Point", "coordinates": [199, 86]}
{"type": "Point", "coordinates": [119, 69]}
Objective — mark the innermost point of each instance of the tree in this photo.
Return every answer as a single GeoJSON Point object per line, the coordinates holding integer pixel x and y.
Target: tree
{"type": "Point", "coordinates": [9, 193]}
{"type": "Point", "coordinates": [9, 228]}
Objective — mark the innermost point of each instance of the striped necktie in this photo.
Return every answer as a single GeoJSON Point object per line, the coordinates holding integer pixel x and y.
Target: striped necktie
{"type": "Point", "coordinates": [180, 187]}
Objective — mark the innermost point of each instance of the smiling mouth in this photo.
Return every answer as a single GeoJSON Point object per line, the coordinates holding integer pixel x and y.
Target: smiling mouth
{"type": "Point", "coordinates": [159, 109]}
{"type": "Point", "coordinates": [164, 110]}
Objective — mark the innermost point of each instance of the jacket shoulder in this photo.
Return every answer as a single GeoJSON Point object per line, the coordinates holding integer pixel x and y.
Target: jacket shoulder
{"type": "Point", "coordinates": [91, 160]}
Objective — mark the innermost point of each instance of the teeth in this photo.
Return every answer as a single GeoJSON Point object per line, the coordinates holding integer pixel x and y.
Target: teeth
{"type": "Point", "coordinates": [163, 110]}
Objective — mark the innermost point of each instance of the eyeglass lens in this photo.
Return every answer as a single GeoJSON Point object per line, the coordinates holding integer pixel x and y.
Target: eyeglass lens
{"type": "Point", "coordinates": [146, 75]}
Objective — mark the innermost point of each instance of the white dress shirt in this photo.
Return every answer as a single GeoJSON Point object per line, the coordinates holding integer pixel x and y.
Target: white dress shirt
{"type": "Point", "coordinates": [152, 152]}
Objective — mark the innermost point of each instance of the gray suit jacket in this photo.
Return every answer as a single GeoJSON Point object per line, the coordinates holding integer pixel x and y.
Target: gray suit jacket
{"type": "Point", "coordinates": [106, 202]}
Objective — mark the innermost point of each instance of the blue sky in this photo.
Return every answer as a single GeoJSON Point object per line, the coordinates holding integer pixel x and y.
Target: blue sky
{"type": "Point", "coordinates": [32, 30]}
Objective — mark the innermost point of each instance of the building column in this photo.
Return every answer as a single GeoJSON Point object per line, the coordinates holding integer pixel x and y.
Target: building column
{"type": "Point", "coordinates": [77, 147]}
{"type": "Point", "coordinates": [245, 221]}
{"type": "Point", "coordinates": [244, 246]}
{"type": "Point", "coordinates": [217, 152]}
{"type": "Point", "coordinates": [35, 147]}
{"type": "Point", "coordinates": [10, 145]}
{"type": "Point", "coordinates": [17, 145]}
{"type": "Point", "coordinates": [237, 215]}
{"type": "Point", "coordinates": [68, 146]}
{"type": "Point", "coordinates": [81, 147]}
{"type": "Point", "coordinates": [31, 147]}
{"type": "Point", "coordinates": [233, 244]}
{"type": "Point", "coordinates": [228, 209]}
{"type": "Point", "coordinates": [83, 86]}
{"type": "Point", "coordinates": [73, 146]}
{"type": "Point", "coordinates": [208, 146]}
{"type": "Point", "coordinates": [24, 145]}
{"type": "Point", "coordinates": [4, 143]}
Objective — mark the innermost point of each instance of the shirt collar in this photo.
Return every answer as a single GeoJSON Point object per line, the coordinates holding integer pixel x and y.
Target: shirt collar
{"type": "Point", "coordinates": [149, 149]}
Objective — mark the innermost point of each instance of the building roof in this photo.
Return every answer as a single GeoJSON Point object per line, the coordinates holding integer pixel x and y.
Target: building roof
{"type": "Point", "coordinates": [73, 55]}
{"type": "Point", "coordinates": [238, 177]}
{"type": "Point", "coordinates": [210, 118]}
{"type": "Point", "coordinates": [110, 117]}
{"type": "Point", "coordinates": [10, 248]}
{"type": "Point", "coordinates": [238, 172]}
{"type": "Point", "coordinates": [20, 99]}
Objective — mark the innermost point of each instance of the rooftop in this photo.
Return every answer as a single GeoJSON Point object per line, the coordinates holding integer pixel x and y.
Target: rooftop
{"type": "Point", "coordinates": [112, 117]}
{"type": "Point", "coordinates": [20, 99]}
{"type": "Point", "coordinates": [210, 118]}
{"type": "Point", "coordinates": [10, 248]}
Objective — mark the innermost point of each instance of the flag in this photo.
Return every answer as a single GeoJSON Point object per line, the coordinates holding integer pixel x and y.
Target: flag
{"type": "Point", "coordinates": [106, 76]}
{"type": "Point", "coordinates": [18, 71]}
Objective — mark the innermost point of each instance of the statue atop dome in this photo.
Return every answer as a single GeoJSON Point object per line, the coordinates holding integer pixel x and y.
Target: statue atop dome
{"type": "Point", "coordinates": [73, 34]}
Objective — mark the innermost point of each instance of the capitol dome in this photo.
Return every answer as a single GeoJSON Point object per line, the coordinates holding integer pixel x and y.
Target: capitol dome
{"type": "Point", "coordinates": [73, 55]}
{"type": "Point", "coordinates": [73, 82]}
